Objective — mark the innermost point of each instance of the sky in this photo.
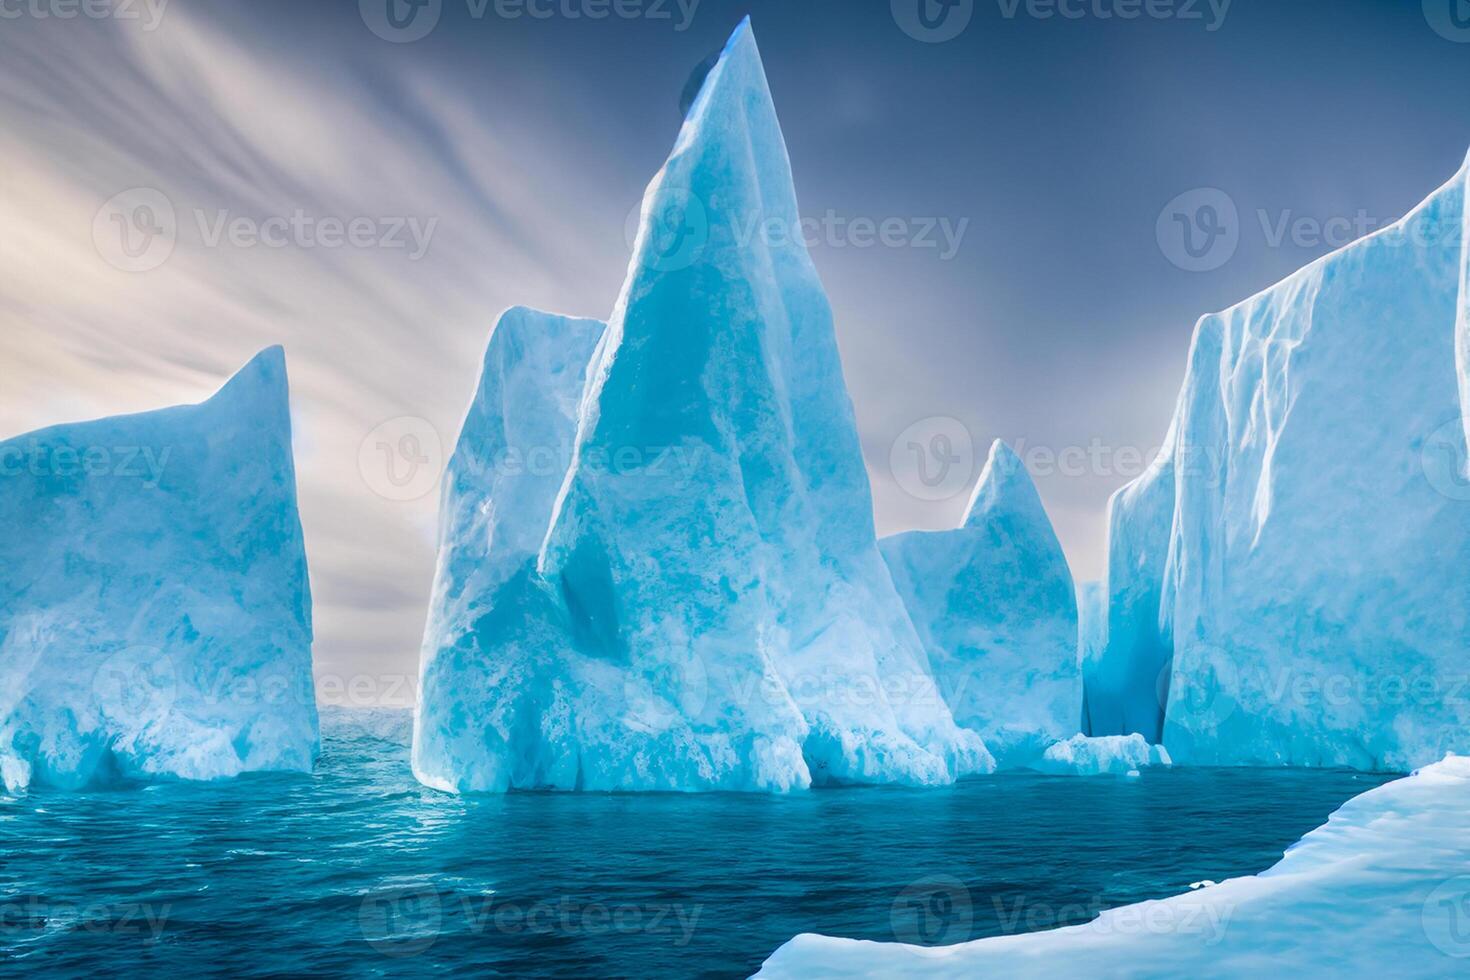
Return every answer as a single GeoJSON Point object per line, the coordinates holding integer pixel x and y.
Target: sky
{"type": "Point", "coordinates": [1063, 187]}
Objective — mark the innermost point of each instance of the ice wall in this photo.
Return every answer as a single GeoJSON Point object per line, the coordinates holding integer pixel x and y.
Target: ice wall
{"type": "Point", "coordinates": [155, 613]}
{"type": "Point", "coordinates": [1287, 575]}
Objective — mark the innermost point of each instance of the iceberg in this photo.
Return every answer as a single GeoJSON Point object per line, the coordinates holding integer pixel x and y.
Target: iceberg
{"type": "Point", "coordinates": [1101, 755]}
{"type": "Point", "coordinates": [1390, 869]}
{"type": "Point", "coordinates": [700, 602]}
{"type": "Point", "coordinates": [1281, 584]}
{"type": "Point", "coordinates": [994, 604]}
{"type": "Point", "coordinates": [497, 673]}
{"type": "Point", "coordinates": [155, 612]}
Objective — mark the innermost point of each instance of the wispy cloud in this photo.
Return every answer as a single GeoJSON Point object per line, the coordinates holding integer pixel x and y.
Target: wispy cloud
{"type": "Point", "coordinates": [250, 149]}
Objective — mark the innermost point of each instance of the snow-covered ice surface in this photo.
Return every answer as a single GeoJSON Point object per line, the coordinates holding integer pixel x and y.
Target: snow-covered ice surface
{"type": "Point", "coordinates": [155, 615]}
{"type": "Point", "coordinates": [1101, 755]}
{"type": "Point", "coordinates": [707, 607]}
{"type": "Point", "coordinates": [994, 603]}
{"type": "Point", "coordinates": [1383, 888]}
{"type": "Point", "coordinates": [1294, 549]}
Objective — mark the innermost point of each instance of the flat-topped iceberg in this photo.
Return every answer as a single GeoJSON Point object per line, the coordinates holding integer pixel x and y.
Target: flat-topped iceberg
{"type": "Point", "coordinates": [1381, 889]}
{"type": "Point", "coordinates": [1284, 582]}
{"type": "Point", "coordinates": [1101, 755]}
{"type": "Point", "coordinates": [706, 606]}
{"type": "Point", "coordinates": [155, 614]}
{"type": "Point", "coordinates": [994, 603]}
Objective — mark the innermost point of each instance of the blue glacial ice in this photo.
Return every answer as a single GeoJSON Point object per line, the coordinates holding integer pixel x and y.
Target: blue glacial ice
{"type": "Point", "coordinates": [994, 603]}
{"type": "Point", "coordinates": [1380, 889]}
{"type": "Point", "coordinates": [700, 602]}
{"type": "Point", "coordinates": [1282, 583]}
{"type": "Point", "coordinates": [1101, 755]}
{"type": "Point", "coordinates": [497, 676]}
{"type": "Point", "coordinates": [1092, 637]}
{"type": "Point", "coordinates": [155, 614]}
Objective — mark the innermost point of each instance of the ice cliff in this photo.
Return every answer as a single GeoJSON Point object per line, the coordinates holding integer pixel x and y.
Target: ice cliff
{"type": "Point", "coordinates": [155, 614]}
{"type": "Point", "coordinates": [698, 600]}
{"type": "Point", "coordinates": [994, 603]}
{"type": "Point", "coordinates": [1285, 583]}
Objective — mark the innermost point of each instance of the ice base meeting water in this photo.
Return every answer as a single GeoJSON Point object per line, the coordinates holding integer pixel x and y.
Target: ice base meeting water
{"type": "Point", "coordinates": [358, 870]}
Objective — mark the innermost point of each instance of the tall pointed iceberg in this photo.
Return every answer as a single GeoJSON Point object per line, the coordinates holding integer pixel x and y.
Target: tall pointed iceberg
{"type": "Point", "coordinates": [155, 613]}
{"type": "Point", "coordinates": [994, 603]}
{"type": "Point", "coordinates": [497, 671]}
{"type": "Point", "coordinates": [1286, 585]}
{"type": "Point", "coordinates": [708, 609]}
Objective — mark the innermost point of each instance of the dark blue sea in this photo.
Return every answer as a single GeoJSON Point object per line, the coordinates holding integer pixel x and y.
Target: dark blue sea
{"type": "Point", "coordinates": [356, 870]}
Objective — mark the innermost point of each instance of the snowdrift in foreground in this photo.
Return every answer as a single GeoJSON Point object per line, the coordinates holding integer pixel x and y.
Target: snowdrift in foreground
{"type": "Point", "coordinates": [1286, 582]}
{"type": "Point", "coordinates": [155, 615]}
{"type": "Point", "coordinates": [1381, 889]}
{"type": "Point", "coordinates": [696, 599]}
{"type": "Point", "coordinates": [994, 603]}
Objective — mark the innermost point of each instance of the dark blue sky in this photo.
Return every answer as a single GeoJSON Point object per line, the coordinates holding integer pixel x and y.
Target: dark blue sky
{"type": "Point", "coordinates": [1060, 322]}
{"type": "Point", "coordinates": [1059, 141]}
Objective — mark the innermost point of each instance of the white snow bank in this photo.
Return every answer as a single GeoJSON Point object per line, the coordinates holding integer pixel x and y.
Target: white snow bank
{"type": "Point", "coordinates": [1383, 888]}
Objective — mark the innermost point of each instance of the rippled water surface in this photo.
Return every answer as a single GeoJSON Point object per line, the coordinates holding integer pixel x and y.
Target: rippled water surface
{"type": "Point", "coordinates": [357, 870]}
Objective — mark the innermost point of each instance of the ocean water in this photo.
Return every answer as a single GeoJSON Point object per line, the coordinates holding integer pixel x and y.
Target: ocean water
{"type": "Point", "coordinates": [356, 870]}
